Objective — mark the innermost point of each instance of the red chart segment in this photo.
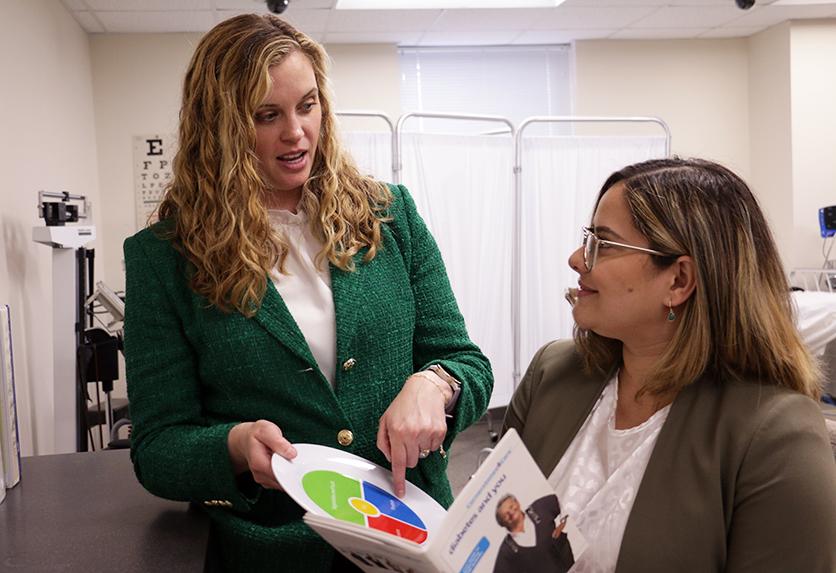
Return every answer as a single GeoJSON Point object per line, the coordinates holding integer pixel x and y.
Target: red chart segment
{"type": "Point", "coordinates": [358, 501]}
{"type": "Point", "coordinates": [397, 527]}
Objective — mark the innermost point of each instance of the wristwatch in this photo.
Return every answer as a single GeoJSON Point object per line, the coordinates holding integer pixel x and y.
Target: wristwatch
{"type": "Point", "coordinates": [454, 384]}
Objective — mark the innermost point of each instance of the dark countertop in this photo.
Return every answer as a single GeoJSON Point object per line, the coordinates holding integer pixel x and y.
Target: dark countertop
{"type": "Point", "coordinates": [87, 512]}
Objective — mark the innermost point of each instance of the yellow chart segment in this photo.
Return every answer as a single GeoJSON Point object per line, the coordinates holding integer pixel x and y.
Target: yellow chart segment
{"type": "Point", "coordinates": [364, 507]}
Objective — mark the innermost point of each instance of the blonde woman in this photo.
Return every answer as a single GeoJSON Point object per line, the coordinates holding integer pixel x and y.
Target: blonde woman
{"type": "Point", "coordinates": [283, 298]}
{"type": "Point", "coordinates": [680, 428]}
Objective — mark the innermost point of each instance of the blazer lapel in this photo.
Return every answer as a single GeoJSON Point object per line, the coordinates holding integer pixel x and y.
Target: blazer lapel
{"type": "Point", "coordinates": [347, 290]}
{"type": "Point", "coordinates": [665, 480]}
{"type": "Point", "coordinates": [274, 316]}
{"type": "Point", "coordinates": [577, 400]}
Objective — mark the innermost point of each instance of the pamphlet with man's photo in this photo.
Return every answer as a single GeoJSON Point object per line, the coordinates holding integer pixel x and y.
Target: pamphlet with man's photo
{"type": "Point", "coordinates": [506, 519]}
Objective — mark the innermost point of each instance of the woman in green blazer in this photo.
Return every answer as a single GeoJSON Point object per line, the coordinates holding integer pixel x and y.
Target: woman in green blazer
{"type": "Point", "coordinates": [284, 298]}
{"type": "Point", "coordinates": [679, 428]}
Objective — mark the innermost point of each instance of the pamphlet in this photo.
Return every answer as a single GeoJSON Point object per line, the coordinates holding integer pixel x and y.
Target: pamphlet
{"type": "Point", "coordinates": [506, 519]}
{"type": "Point", "coordinates": [9, 444]}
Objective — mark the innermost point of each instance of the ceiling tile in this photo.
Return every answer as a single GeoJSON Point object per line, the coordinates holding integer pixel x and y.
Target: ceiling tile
{"type": "Point", "coordinates": [310, 4]}
{"type": "Point", "coordinates": [227, 13]}
{"type": "Point", "coordinates": [690, 17]}
{"type": "Point", "coordinates": [587, 17]}
{"type": "Point", "coordinates": [257, 5]}
{"type": "Point", "coordinates": [771, 15]}
{"type": "Point", "coordinates": [382, 20]}
{"type": "Point", "coordinates": [74, 5]}
{"type": "Point", "coordinates": [400, 38]}
{"type": "Point", "coordinates": [519, 18]}
{"type": "Point", "coordinates": [490, 38]}
{"type": "Point", "coordinates": [701, 3]}
{"type": "Point", "coordinates": [575, 19]}
{"type": "Point", "coordinates": [728, 32]}
{"type": "Point", "coordinates": [156, 22]}
{"type": "Point", "coordinates": [657, 33]}
{"type": "Point", "coordinates": [309, 21]}
{"type": "Point", "coordinates": [560, 36]}
{"type": "Point", "coordinates": [596, 3]}
{"type": "Point", "coordinates": [148, 5]}
{"type": "Point", "coordinates": [242, 6]}
{"type": "Point", "coordinates": [607, 3]}
{"type": "Point", "coordinates": [89, 22]}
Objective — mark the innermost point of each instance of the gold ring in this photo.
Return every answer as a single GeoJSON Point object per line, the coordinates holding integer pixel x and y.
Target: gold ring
{"type": "Point", "coordinates": [441, 452]}
{"type": "Point", "coordinates": [423, 453]}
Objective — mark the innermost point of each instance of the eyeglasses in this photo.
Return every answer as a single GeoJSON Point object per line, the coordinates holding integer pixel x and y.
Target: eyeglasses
{"type": "Point", "coordinates": [591, 242]}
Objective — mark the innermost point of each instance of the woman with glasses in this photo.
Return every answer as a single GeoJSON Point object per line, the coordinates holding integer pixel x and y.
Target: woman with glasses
{"type": "Point", "coordinates": [679, 428]}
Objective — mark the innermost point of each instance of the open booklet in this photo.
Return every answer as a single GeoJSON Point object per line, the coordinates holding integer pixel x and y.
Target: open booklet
{"type": "Point", "coordinates": [506, 519]}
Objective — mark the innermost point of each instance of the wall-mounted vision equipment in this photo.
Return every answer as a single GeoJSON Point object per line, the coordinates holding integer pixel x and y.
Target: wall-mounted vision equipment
{"type": "Point", "coordinates": [744, 4]}
{"type": "Point", "coordinates": [827, 221]}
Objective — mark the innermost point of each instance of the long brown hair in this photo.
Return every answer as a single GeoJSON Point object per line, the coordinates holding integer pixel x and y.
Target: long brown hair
{"type": "Point", "coordinates": [216, 198]}
{"type": "Point", "coordinates": [739, 321]}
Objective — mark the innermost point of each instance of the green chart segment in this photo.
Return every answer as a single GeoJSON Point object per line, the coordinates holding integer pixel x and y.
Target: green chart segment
{"type": "Point", "coordinates": [332, 491]}
{"type": "Point", "coordinates": [363, 503]}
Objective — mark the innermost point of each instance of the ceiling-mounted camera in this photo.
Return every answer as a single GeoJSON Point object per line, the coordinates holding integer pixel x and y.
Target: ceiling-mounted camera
{"type": "Point", "coordinates": [744, 4]}
{"type": "Point", "coordinates": [279, 6]}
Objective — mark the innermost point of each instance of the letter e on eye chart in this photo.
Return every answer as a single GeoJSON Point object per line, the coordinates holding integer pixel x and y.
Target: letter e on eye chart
{"type": "Point", "coordinates": [152, 172]}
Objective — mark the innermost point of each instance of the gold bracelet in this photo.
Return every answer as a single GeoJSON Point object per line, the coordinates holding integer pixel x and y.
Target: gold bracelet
{"type": "Point", "coordinates": [436, 382]}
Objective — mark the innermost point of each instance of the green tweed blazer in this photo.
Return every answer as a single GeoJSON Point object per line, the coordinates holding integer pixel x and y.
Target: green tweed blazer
{"type": "Point", "coordinates": [741, 478]}
{"type": "Point", "coordinates": [193, 372]}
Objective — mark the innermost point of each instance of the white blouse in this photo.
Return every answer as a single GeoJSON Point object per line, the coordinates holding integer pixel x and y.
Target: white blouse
{"type": "Point", "coordinates": [306, 289]}
{"type": "Point", "coordinates": [598, 477]}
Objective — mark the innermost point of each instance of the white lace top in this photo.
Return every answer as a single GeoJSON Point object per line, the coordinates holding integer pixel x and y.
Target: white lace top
{"type": "Point", "coordinates": [306, 289]}
{"type": "Point", "coordinates": [598, 477]}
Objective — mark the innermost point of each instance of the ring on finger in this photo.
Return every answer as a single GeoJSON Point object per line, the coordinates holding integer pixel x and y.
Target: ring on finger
{"type": "Point", "coordinates": [423, 453]}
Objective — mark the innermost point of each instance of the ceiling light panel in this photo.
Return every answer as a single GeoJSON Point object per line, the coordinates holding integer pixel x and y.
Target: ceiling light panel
{"type": "Point", "coordinates": [442, 4]}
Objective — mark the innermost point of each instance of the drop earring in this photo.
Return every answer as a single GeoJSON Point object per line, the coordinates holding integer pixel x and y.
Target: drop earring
{"type": "Point", "coordinates": [671, 313]}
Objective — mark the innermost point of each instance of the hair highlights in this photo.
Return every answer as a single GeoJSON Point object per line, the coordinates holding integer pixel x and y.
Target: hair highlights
{"type": "Point", "coordinates": [216, 197]}
{"type": "Point", "coordinates": [739, 321]}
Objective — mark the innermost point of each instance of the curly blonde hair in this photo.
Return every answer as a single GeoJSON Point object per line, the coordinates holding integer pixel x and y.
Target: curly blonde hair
{"type": "Point", "coordinates": [216, 199]}
{"type": "Point", "coordinates": [739, 321]}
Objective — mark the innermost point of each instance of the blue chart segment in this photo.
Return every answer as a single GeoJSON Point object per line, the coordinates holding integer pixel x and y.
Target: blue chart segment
{"type": "Point", "coordinates": [389, 505]}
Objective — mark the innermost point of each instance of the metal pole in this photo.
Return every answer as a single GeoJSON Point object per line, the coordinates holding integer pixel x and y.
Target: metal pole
{"type": "Point", "coordinates": [379, 115]}
{"type": "Point", "coordinates": [398, 164]}
{"type": "Point", "coordinates": [517, 240]}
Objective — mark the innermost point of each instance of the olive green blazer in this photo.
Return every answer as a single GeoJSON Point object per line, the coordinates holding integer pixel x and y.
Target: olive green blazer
{"type": "Point", "coordinates": [742, 476]}
{"type": "Point", "coordinates": [193, 372]}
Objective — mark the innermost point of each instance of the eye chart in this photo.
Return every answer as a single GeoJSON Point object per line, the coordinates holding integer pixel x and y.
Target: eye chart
{"type": "Point", "coordinates": [152, 173]}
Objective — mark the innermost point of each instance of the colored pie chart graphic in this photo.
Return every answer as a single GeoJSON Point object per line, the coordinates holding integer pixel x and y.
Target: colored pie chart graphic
{"type": "Point", "coordinates": [358, 501]}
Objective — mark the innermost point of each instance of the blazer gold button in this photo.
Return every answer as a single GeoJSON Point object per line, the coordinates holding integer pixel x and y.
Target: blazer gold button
{"type": "Point", "coordinates": [345, 437]}
{"type": "Point", "coordinates": [349, 364]}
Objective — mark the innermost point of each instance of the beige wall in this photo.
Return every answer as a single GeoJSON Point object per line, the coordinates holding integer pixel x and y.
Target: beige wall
{"type": "Point", "coordinates": [366, 77]}
{"type": "Point", "coordinates": [813, 77]}
{"type": "Point", "coordinates": [136, 86]}
{"type": "Point", "coordinates": [699, 87]}
{"type": "Point", "coordinates": [762, 106]}
{"type": "Point", "coordinates": [48, 143]}
{"type": "Point", "coordinates": [770, 134]}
